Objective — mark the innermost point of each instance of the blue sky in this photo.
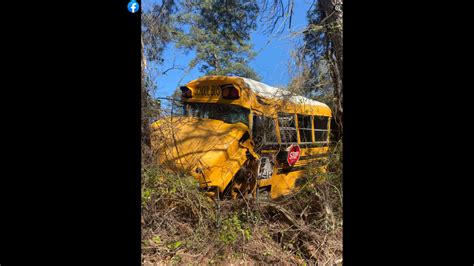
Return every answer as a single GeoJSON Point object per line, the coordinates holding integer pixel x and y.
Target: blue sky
{"type": "Point", "coordinates": [271, 63]}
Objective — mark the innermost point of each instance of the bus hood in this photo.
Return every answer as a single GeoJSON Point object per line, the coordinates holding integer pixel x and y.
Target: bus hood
{"type": "Point", "coordinates": [200, 147]}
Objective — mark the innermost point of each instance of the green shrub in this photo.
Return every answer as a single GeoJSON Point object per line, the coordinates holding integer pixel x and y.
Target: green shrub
{"type": "Point", "coordinates": [233, 229]}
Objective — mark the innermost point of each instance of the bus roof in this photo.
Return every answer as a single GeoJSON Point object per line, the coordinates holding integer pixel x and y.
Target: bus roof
{"type": "Point", "coordinates": [267, 91]}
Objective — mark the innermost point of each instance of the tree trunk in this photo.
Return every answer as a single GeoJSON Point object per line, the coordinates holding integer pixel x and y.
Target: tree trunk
{"type": "Point", "coordinates": [333, 13]}
{"type": "Point", "coordinates": [145, 109]}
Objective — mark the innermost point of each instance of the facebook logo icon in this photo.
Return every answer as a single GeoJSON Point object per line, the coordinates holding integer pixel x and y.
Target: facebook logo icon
{"type": "Point", "coordinates": [133, 6]}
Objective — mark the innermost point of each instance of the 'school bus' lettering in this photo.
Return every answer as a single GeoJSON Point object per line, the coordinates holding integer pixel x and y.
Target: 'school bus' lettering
{"type": "Point", "coordinates": [212, 90]}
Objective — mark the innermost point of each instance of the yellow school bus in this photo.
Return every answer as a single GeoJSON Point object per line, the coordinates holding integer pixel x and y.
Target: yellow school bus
{"type": "Point", "coordinates": [239, 136]}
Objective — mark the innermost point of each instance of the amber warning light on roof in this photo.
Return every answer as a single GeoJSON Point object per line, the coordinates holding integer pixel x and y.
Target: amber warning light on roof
{"type": "Point", "coordinates": [229, 92]}
{"type": "Point", "coordinates": [186, 92]}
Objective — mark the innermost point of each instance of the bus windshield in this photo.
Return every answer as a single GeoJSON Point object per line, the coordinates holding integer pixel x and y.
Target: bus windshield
{"type": "Point", "coordinates": [225, 112]}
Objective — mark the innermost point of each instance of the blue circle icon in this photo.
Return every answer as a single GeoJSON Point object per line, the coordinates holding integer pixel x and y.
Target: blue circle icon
{"type": "Point", "coordinates": [133, 6]}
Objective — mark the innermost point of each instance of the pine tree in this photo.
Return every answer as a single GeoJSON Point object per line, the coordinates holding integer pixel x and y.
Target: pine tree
{"type": "Point", "coordinates": [219, 32]}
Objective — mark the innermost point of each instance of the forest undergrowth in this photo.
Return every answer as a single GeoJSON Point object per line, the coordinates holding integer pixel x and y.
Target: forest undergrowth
{"type": "Point", "coordinates": [180, 224]}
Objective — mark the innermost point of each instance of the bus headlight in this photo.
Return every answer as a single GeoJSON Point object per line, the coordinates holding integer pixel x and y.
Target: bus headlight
{"type": "Point", "coordinates": [198, 170]}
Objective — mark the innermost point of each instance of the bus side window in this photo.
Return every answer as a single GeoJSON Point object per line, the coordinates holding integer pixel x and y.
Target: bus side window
{"type": "Point", "coordinates": [321, 129]}
{"type": "Point", "coordinates": [287, 126]}
{"type": "Point", "coordinates": [263, 130]}
{"type": "Point", "coordinates": [304, 125]}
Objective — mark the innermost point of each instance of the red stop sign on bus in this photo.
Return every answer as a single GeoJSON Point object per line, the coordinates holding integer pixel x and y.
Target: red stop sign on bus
{"type": "Point", "coordinates": [294, 152]}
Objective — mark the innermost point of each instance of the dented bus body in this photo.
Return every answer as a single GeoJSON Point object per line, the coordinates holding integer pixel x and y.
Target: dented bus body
{"type": "Point", "coordinates": [239, 136]}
